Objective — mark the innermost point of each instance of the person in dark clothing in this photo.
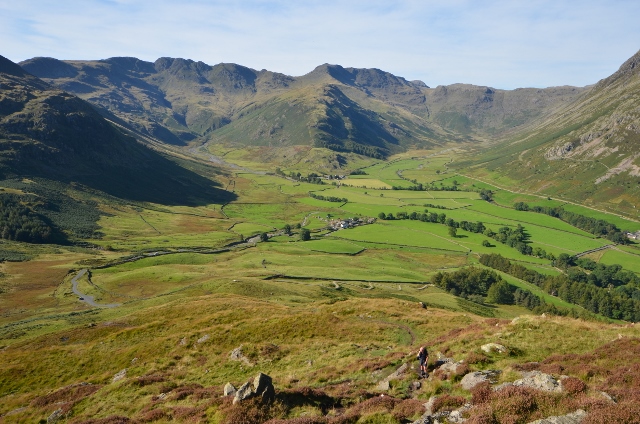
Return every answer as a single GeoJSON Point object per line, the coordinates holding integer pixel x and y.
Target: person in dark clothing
{"type": "Point", "coordinates": [423, 357]}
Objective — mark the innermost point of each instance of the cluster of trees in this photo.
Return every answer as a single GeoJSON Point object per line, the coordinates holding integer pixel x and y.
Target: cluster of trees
{"type": "Point", "coordinates": [512, 237]}
{"type": "Point", "coordinates": [466, 282]}
{"type": "Point", "coordinates": [312, 178]}
{"type": "Point", "coordinates": [18, 222]}
{"type": "Point", "coordinates": [358, 172]}
{"type": "Point", "coordinates": [600, 275]}
{"type": "Point", "coordinates": [486, 194]}
{"type": "Point", "coordinates": [350, 146]}
{"type": "Point", "coordinates": [329, 198]}
{"type": "Point", "coordinates": [431, 205]}
{"type": "Point", "coordinates": [287, 228]}
{"type": "Point", "coordinates": [598, 227]}
{"type": "Point", "coordinates": [622, 302]}
{"type": "Point", "coordinates": [429, 187]}
{"type": "Point", "coordinates": [482, 285]}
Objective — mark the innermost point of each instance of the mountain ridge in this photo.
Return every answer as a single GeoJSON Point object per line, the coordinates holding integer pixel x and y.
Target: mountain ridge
{"type": "Point", "coordinates": [180, 100]}
{"type": "Point", "coordinates": [48, 133]}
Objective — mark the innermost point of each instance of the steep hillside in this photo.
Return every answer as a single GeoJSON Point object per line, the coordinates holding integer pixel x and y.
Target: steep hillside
{"type": "Point", "coordinates": [366, 111]}
{"type": "Point", "coordinates": [50, 134]}
{"type": "Point", "coordinates": [587, 151]}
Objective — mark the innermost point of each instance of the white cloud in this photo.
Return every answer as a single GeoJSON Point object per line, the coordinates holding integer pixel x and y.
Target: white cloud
{"type": "Point", "coordinates": [503, 44]}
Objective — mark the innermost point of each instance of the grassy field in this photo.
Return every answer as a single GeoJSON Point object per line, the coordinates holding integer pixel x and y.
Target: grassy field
{"type": "Point", "coordinates": [335, 313]}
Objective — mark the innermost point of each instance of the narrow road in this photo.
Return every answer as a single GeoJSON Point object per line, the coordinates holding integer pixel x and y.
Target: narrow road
{"type": "Point", "coordinates": [86, 298]}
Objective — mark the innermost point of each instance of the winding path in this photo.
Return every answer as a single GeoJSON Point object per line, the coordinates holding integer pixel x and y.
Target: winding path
{"type": "Point", "coordinates": [85, 297]}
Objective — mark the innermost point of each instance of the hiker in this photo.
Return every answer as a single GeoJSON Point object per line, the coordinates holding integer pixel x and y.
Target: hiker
{"type": "Point", "coordinates": [423, 357]}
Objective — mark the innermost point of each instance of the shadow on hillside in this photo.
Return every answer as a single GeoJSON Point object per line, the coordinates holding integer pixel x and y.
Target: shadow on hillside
{"type": "Point", "coordinates": [162, 181]}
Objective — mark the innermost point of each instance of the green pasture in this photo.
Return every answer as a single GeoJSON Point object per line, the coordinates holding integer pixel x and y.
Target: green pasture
{"type": "Point", "coordinates": [320, 204]}
{"type": "Point", "coordinates": [327, 245]}
{"type": "Point", "coordinates": [367, 183]}
{"type": "Point", "coordinates": [393, 232]}
{"type": "Point", "coordinates": [274, 214]}
{"type": "Point", "coordinates": [507, 198]}
{"type": "Point", "coordinates": [297, 260]}
{"type": "Point", "coordinates": [627, 260]}
{"type": "Point", "coordinates": [466, 240]}
{"type": "Point", "coordinates": [525, 218]}
{"type": "Point", "coordinates": [372, 197]}
{"type": "Point", "coordinates": [430, 169]}
{"type": "Point", "coordinates": [373, 210]}
{"type": "Point", "coordinates": [623, 224]}
{"type": "Point", "coordinates": [248, 229]}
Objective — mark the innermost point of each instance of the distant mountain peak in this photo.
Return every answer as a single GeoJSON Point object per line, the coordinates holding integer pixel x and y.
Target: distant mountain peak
{"type": "Point", "coordinates": [627, 70]}
{"type": "Point", "coordinates": [10, 68]}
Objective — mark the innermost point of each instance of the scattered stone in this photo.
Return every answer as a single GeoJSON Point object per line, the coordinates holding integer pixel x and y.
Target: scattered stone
{"type": "Point", "coordinates": [119, 376]}
{"type": "Point", "coordinates": [383, 386]}
{"type": "Point", "coordinates": [429, 417]}
{"type": "Point", "coordinates": [399, 372]}
{"type": "Point", "coordinates": [57, 414]}
{"type": "Point", "coordinates": [237, 355]}
{"type": "Point", "coordinates": [472, 379]}
{"type": "Point", "coordinates": [502, 386]}
{"type": "Point", "coordinates": [14, 411]}
{"type": "Point", "coordinates": [540, 381]}
{"type": "Point", "coordinates": [415, 386]}
{"type": "Point", "coordinates": [491, 347]}
{"type": "Point", "coordinates": [229, 389]}
{"type": "Point", "coordinates": [422, 305]}
{"type": "Point", "coordinates": [134, 360]}
{"type": "Point", "coordinates": [203, 339]}
{"type": "Point", "coordinates": [451, 368]}
{"type": "Point", "coordinates": [429, 405]}
{"type": "Point", "coordinates": [309, 363]}
{"type": "Point", "coordinates": [183, 341]}
{"type": "Point", "coordinates": [572, 418]}
{"type": "Point", "coordinates": [608, 397]}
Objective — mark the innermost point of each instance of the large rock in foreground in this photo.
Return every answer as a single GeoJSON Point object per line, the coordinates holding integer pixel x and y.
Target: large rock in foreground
{"type": "Point", "coordinates": [262, 386]}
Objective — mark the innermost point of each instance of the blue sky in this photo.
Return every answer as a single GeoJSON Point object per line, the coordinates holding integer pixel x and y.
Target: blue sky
{"type": "Point", "coordinates": [503, 44]}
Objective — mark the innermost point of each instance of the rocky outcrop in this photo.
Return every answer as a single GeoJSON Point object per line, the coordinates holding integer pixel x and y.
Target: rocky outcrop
{"type": "Point", "coordinates": [262, 386]}
{"type": "Point", "coordinates": [472, 379]}
{"type": "Point", "coordinates": [55, 416]}
{"type": "Point", "coordinates": [229, 389]}
{"type": "Point", "coordinates": [494, 347]}
{"type": "Point", "coordinates": [535, 380]}
{"type": "Point", "coordinates": [572, 418]}
{"type": "Point", "coordinates": [441, 417]}
{"type": "Point", "coordinates": [119, 376]}
{"type": "Point", "coordinates": [450, 369]}
{"type": "Point", "coordinates": [237, 355]}
{"type": "Point", "coordinates": [384, 385]}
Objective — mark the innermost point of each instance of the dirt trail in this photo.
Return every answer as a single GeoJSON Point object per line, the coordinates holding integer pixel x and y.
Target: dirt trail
{"type": "Point", "coordinates": [85, 297]}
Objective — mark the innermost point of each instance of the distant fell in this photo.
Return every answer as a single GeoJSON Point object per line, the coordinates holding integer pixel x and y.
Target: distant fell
{"type": "Point", "coordinates": [588, 151]}
{"type": "Point", "coordinates": [367, 111]}
{"type": "Point", "coordinates": [48, 133]}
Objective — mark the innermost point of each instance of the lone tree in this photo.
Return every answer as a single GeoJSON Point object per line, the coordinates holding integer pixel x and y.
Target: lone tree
{"type": "Point", "coordinates": [287, 229]}
{"type": "Point", "coordinates": [453, 231]}
{"type": "Point", "coordinates": [264, 237]}
{"type": "Point", "coordinates": [305, 234]}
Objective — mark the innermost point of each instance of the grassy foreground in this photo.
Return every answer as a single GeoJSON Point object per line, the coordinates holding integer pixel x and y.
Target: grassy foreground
{"type": "Point", "coordinates": [328, 319]}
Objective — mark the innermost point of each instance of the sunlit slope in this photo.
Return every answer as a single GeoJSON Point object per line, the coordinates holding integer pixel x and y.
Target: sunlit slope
{"type": "Point", "coordinates": [588, 151]}
{"type": "Point", "coordinates": [366, 111]}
